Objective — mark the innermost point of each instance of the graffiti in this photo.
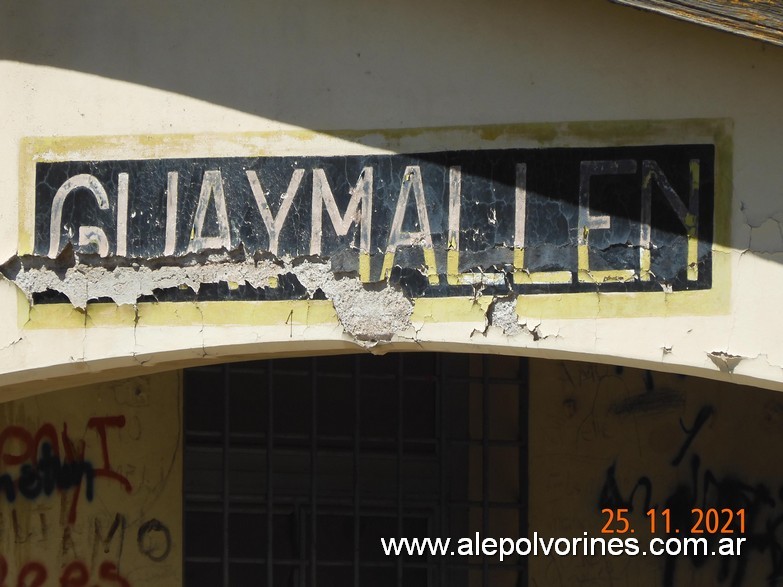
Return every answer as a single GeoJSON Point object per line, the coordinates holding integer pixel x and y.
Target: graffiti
{"type": "Point", "coordinates": [153, 537]}
{"type": "Point", "coordinates": [49, 462]}
{"type": "Point", "coordinates": [704, 489]}
{"type": "Point", "coordinates": [154, 540]}
{"type": "Point", "coordinates": [48, 474]}
{"type": "Point", "coordinates": [104, 543]}
{"type": "Point", "coordinates": [90, 486]}
{"type": "Point", "coordinates": [701, 419]}
{"type": "Point", "coordinates": [75, 574]}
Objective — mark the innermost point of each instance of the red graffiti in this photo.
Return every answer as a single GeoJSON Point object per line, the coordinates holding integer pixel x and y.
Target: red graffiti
{"type": "Point", "coordinates": [39, 454]}
{"type": "Point", "coordinates": [100, 425]}
{"type": "Point", "coordinates": [33, 574]}
{"type": "Point", "coordinates": [75, 574]}
{"type": "Point", "coordinates": [110, 572]}
{"type": "Point", "coordinates": [30, 444]}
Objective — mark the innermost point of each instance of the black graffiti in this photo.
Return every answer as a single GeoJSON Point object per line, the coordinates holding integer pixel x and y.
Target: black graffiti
{"type": "Point", "coordinates": [704, 490]}
{"type": "Point", "coordinates": [48, 475]}
{"type": "Point", "coordinates": [612, 498]}
{"type": "Point", "coordinates": [104, 543]}
{"type": "Point", "coordinates": [154, 539]}
{"type": "Point", "coordinates": [701, 419]}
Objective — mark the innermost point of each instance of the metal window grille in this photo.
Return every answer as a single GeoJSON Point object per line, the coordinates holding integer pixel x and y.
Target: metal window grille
{"type": "Point", "coordinates": [296, 468]}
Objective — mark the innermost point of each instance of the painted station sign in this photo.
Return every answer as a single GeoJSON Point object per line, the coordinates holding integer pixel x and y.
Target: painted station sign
{"type": "Point", "coordinates": [524, 221]}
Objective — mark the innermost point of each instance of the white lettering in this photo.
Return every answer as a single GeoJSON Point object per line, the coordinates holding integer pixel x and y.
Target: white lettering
{"type": "Point", "coordinates": [172, 188]}
{"type": "Point", "coordinates": [92, 235]}
{"type": "Point", "coordinates": [323, 197]}
{"type": "Point", "coordinates": [211, 188]}
{"type": "Point", "coordinates": [423, 237]}
{"type": "Point", "coordinates": [688, 216]}
{"type": "Point", "coordinates": [122, 216]}
{"type": "Point", "coordinates": [274, 225]}
{"type": "Point", "coordinates": [85, 181]}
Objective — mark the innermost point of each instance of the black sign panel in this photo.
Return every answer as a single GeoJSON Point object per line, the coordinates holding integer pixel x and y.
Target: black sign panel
{"type": "Point", "coordinates": [508, 221]}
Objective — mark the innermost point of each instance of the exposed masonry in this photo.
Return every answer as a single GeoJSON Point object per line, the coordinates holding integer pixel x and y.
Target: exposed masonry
{"type": "Point", "coordinates": [496, 224]}
{"type": "Point", "coordinates": [371, 312]}
{"type": "Point", "coordinates": [368, 312]}
{"type": "Point", "coordinates": [503, 314]}
{"type": "Point", "coordinates": [125, 285]}
{"type": "Point", "coordinates": [511, 221]}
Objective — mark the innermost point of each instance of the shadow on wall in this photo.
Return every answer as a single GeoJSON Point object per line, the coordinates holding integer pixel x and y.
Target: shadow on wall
{"type": "Point", "coordinates": [348, 64]}
{"type": "Point", "coordinates": [315, 65]}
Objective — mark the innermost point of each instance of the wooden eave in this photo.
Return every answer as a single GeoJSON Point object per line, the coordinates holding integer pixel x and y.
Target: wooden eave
{"type": "Point", "coordinates": [759, 19]}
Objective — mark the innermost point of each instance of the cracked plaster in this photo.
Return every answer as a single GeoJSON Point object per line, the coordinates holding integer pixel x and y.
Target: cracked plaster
{"type": "Point", "coordinates": [368, 313]}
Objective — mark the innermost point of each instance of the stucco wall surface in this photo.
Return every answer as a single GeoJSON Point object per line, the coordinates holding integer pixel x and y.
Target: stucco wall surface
{"type": "Point", "coordinates": [206, 72]}
{"type": "Point", "coordinates": [90, 485]}
{"type": "Point", "coordinates": [606, 438]}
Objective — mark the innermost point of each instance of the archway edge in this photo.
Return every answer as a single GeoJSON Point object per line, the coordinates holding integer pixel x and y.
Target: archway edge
{"type": "Point", "coordinates": [56, 376]}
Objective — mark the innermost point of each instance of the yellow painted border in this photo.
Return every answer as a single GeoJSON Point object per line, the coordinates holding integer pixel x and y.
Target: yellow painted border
{"type": "Point", "coordinates": [426, 310]}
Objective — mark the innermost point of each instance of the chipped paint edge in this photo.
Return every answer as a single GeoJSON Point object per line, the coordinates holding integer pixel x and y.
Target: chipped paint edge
{"type": "Point", "coordinates": [714, 301]}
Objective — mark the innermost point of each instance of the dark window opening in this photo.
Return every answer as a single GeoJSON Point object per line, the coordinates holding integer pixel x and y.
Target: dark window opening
{"type": "Point", "coordinates": [295, 469]}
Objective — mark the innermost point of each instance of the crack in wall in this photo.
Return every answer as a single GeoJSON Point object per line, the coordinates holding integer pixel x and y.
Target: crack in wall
{"type": "Point", "coordinates": [503, 314]}
{"type": "Point", "coordinates": [370, 313]}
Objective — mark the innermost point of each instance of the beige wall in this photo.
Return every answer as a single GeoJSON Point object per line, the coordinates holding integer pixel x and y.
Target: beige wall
{"type": "Point", "coordinates": [595, 433]}
{"type": "Point", "coordinates": [117, 518]}
{"type": "Point", "coordinates": [598, 431]}
{"type": "Point", "coordinates": [249, 67]}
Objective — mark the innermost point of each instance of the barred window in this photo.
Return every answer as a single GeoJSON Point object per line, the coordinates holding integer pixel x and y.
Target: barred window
{"type": "Point", "coordinates": [296, 468]}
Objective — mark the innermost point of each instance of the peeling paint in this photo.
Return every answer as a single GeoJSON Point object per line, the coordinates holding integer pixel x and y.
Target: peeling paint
{"type": "Point", "coordinates": [724, 361]}
{"type": "Point", "coordinates": [513, 220]}
{"type": "Point", "coordinates": [367, 312]}
{"type": "Point", "coordinates": [766, 237]}
{"type": "Point", "coordinates": [502, 313]}
{"type": "Point", "coordinates": [498, 245]}
{"type": "Point", "coordinates": [127, 284]}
